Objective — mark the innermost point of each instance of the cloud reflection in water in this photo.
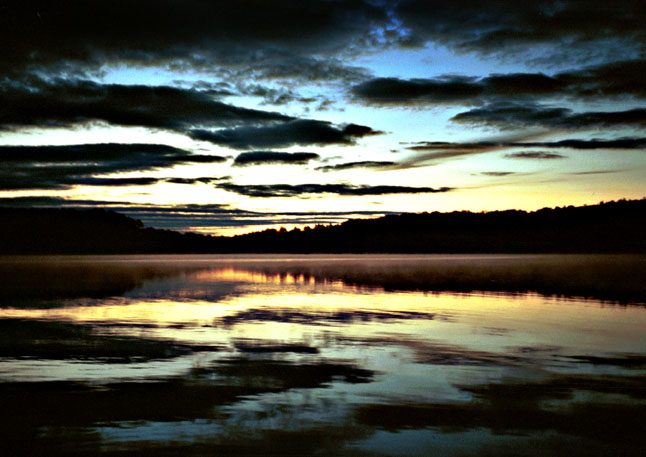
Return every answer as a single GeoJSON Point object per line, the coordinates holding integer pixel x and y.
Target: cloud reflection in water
{"type": "Point", "coordinates": [203, 356]}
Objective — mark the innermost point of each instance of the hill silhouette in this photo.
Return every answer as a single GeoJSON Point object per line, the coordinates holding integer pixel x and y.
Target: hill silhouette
{"type": "Point", "coordinates": [612, 227]}
{"type": "Point", "coordinates": [92, 231]}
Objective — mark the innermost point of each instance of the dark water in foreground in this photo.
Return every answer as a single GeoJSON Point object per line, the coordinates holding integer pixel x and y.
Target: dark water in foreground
{"type": "Point", "coordinates": [322, 355]}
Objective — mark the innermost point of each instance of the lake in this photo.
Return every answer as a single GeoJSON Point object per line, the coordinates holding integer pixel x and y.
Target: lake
{"type": "Point", "coordinates": [359, 355]}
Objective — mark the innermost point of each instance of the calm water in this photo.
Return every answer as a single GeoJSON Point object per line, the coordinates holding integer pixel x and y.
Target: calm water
{"type": "Point", "coordinates": [322, 355]}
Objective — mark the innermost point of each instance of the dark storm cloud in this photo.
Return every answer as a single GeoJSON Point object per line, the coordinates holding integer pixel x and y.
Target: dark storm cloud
{"type": "Point", "coordinates": [295, 40]}
{"type": "Point", "coordinates": [64, 103]}
{"type": "Point", "coordinates": [277, 38]}
{"type": "Point", "coordinates": [300, 131]}
{"type": "Point", "coordinates": [611, 79]}
{"type": "Point", "coordinates": [77, 32]}
{"type": "Point", "coordinates": [515, 115]}
{"type": "Point", "coordinates": [494, 27]}
{"type": "Point", "coordinates": [353, 165]}
{"type": "Point", "coordinates": [51, 167]}
{"type": "Point", "coordinates": [272, 157]}
{"type": "Point", "coordinates": [535, 155]}
{"type": "Point", "coordinates": [287, 190]}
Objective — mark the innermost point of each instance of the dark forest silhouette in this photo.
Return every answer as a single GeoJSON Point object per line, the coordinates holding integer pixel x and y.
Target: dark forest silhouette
{"type": "Point", "coordinates": [612, 227]}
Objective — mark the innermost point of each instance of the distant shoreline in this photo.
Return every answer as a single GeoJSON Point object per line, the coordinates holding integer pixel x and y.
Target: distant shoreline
{"type": "Point", "coordinates": [613, 227]}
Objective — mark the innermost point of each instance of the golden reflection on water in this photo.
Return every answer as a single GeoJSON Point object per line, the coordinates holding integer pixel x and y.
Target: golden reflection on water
{"type": "Point", "coordinates": [486, 321]}
{"type": "Point", "coordinates": [233, 274]}
{"type": "Point", "coordinates": [234, 357]}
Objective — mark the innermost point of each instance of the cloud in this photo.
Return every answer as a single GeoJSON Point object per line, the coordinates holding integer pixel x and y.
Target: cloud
{"type": "Point", "coordinates": [623, 78]}
{"type": "Point", "coordinates": [270, 95]}
{"type": "Point", "coordinates": [52, 167]}
{"type": "Point", "coordinates": [19, 178]}
{"type": "Point", "coordinates": [202, 158]}
{"type": "Point", "coordinates": [192, 216]}
{"type": "Point", "coordinates": [434, 151]}
{"type": "Point", "coordinates": [65, 103]}
{"type": "Point", "coordinates": [353, 165]}
{"type": "Point", "coordinates": [595, 172]}
{"type": "Point", "coordinates": [81, 34]}
{"type": "Point", "coordinates": [534, 155]}
{"type": "Point", "coordinates": [441, 151]}
{"type": "Point", "coordinates": [128, 154]}
{"type": "Point", "coordinates": [115, 182]}
{"type": "Point", "coordinates": [201, 180]}
{"type": "Point", "coordinates": [397, 91]}
{"type": "Point", "coordinates": [577, 29]}
{"type": "Point", "coordinates": [594, 143]}
{"type": "Point", "coordinates": [607, 80]}
{"type": "Point", "coordinates": [62, 178]}
{"type": "Point", "coordinates": [287, 190]}
{"type": "Point", "coordinates": [271, 157]}
{"type": "Point", "coordinates": [570, 143]}
{"type": "Point", "coordinates": [276, 39]}
{"type": "Point", "coordinates": [497, 173]}
{"type": "Point", "coordinates": [294, 68]}
{"type": "Point", "coordinates": [294, 132]}
{"type": "Point", "coordinates": [515, 115]}
{"type": "Point", "coordinates": [68, 103]}
{"type": "Point", "coordinates": [453, 89]}
{"type": "Point", "coordinates": [445, 146]}
{"type": "Point", "coordinates": [41, 201]}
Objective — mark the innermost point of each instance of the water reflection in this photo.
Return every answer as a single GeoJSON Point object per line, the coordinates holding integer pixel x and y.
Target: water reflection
{"type": "Point", "coordinates": [356, 355]}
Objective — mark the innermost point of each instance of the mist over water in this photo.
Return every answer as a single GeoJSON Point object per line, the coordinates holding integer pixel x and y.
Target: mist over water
{"type": "Point", "coordinates": [323, 355]}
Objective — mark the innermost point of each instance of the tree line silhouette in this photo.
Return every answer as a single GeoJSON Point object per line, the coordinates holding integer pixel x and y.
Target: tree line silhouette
{"type": "Point", "coordinates": [612, 227]}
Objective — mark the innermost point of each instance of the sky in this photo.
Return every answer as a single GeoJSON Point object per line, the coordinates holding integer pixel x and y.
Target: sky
{"type": "Point", "coordinates": [226, 117]}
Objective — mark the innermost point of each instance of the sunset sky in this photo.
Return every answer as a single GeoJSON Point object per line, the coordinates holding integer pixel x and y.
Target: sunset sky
{"type": "Point", "coordinates": [226, 117]}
